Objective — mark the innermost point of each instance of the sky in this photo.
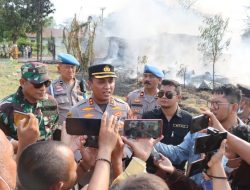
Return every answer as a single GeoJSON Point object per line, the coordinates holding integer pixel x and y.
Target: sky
{"type": "Point", "coordinates": [83, 8]}
{"type": "Point", "coordinates": [236, 11]}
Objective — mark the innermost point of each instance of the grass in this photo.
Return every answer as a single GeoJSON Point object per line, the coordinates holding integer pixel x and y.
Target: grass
{"type": "Point", "coordinates": [10, 74]}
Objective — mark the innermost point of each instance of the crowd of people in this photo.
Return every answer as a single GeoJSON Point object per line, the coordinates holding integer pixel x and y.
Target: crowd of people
{"type": "Point", "coordinates": [37, 153]}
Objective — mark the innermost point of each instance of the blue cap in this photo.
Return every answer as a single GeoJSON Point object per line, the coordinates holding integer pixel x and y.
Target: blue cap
{"type": "Point", "coordinates": [154, 70]}
{"type": "Point", "coordinates": [68, 59]}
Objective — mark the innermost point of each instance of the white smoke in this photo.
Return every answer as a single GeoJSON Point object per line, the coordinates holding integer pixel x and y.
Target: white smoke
{"type": "Point", "coordinates": [168, 35]}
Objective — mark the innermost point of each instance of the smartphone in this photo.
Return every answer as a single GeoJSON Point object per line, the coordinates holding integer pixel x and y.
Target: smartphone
{"type": "Point", "coordinates": [83, 126]}
{"type": "Point", "coordinates": [198, 123]}
{"type": "Point", "coordinates": [143, 128]}
{"type": "Point", "coordinates": [195, 167]}
{"type": "Point", "coordinates": [209, 142]}
{"type": "Point", "coordinates": [18, 116]}
{"type": "Point", "coordinates": [155, 154]}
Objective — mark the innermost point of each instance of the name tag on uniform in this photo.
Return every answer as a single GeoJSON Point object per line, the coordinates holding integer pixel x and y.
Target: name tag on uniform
{"type": "Point", "coordinates": [137, 105]}
{"type": "Point", "coordinates": [180, 126]}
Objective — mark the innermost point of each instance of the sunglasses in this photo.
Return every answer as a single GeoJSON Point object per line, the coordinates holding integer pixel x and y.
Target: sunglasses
{"type": "Point", "coordinates": [46, 84]}
{"type": "Point", "coordinates": [168, 94]}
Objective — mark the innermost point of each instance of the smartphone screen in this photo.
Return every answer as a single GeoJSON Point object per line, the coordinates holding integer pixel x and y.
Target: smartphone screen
{"type": "Point", "coordinates": [143, 128]}
{"type": "Point", "coordinates": [18, 116]}
{"type": "Point", "coordinates": [83, 126]}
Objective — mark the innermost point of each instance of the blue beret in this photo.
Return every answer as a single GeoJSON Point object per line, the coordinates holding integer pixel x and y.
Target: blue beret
{"type": "Point", "coordinates": [68, 59]}
{"type": "Point", "coordinates": [154, 70]}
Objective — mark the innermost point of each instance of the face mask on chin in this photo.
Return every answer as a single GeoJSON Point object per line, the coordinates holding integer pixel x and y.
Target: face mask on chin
{"type": "Point", "coordinates": [227, 168]}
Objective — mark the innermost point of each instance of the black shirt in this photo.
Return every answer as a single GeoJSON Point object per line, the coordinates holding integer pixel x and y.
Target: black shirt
{"type": "Point", "coordinates": [174, 130]}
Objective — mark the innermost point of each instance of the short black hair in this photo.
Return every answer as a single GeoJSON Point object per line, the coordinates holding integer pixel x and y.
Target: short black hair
{"type": "Point", "coordinates": [41, 165]}
{"type": "Point", "coordinates": [231, 92]}
{"type": "Point", "coordinates": [168, 82]}
{"type": "Point", "coordinates": [242, 131]}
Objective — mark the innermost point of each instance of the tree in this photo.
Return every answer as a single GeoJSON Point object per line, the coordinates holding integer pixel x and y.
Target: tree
{"type": "Point", "coordinates": [212, 39]}
{"type": "Point", "coordinates": [13, 24]}
{"type": "Point", "coordinates": [75, 35]}
{"type": "Point", "coordinates": [182, 73]}
{"type": "Point", "coordinates": [38, 12]}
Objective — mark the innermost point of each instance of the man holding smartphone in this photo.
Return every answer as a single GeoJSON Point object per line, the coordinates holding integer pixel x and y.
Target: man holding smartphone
{"type": "Point", "coordinates": [176, 122]}
{"type": "Point", "coordinates": [145, 99]}
{"type": "Point", "coordinates": [31, 97]}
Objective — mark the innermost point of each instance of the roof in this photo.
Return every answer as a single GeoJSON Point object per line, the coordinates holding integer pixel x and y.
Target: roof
{"type": "Point", "coordinates": [57, 33]}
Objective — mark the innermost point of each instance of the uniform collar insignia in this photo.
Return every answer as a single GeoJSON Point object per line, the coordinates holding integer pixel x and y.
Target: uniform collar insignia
{"type": "Point", "coordinates": [112, 101]}
{"type": "Point", "coordinates": [69, 114]}
{"type": "Point", "coordinates": [91, 101]}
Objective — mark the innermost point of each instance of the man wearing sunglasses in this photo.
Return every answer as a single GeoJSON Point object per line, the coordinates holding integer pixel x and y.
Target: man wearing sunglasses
{"type": "Point", "coordinates": [145, 99]}
{"type": "Point", "coordinates": [31, 97]}
{"type": "Point", "coordinates": [176, 121]}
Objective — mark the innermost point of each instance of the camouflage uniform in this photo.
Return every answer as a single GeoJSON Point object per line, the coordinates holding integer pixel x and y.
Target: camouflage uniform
{"type": "Point", "coordinates": [141, 103]}
{"type": "Point", "coordinates": [66, 96]}
{"type": "Point", "coordinates": [45, 110]}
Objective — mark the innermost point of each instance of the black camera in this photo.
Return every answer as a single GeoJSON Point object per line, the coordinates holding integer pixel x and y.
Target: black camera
{"type": "Point", "coordinates": [207, 144]}
{"type": "Point", "coordinates": [198, 123]}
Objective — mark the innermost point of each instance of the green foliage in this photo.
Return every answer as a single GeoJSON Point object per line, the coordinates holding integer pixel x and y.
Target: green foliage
{"type": "Point", "coordinates": [17, 17]}
{"type": "Point", "coordinates": [212, 39]}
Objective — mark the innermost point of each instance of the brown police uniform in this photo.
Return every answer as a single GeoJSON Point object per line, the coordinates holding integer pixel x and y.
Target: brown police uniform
{"type": "Point", "coordinates": [66, 96]}
{"type": "Point", "coordinates": [140, 103]}
{"type": "Point", "coordinates": [89, 109]}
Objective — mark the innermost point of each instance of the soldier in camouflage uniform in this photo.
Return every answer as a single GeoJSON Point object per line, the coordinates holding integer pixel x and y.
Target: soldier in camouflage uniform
{"type": "Point", "coordinates": [66, 89]}
{"type": "Point", "coordinates": [145, 99]}
{"type": "Point", "coordinates": [31, 97]}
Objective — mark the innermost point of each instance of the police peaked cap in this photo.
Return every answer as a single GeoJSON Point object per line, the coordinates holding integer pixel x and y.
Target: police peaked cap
{"type": "Point", "coordinates": [153, 70]}
{"type": "Point", "coordinates": [102, 71]}
{"type": "Point", "coordinates": [245, 90]}
{"type": "Point", "coordinates": [68, 59]}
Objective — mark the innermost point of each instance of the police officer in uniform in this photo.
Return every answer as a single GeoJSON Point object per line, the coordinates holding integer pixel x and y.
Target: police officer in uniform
{"type": "Point", "coordinates": [102, 83]}
{"type": "Point", "coordinates": [244, 111]}
{"type": "Point", "coordinates": [66, 89]}
{"type": "Point", "coordinates": [31, 97]}
{"type": "Point", "coordinates": [145, 99]}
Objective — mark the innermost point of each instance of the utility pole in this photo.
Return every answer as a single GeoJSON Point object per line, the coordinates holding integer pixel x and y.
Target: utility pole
{"type": "Point", "coordinates": [102, 9]}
